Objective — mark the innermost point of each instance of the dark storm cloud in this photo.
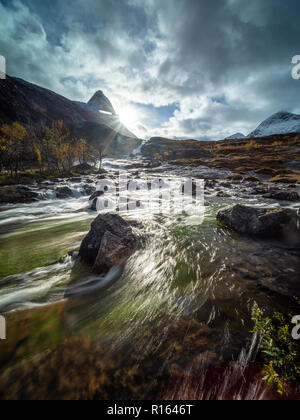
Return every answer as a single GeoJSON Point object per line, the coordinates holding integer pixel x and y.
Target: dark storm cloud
{"type": "Point", "coordinates": [156, 53]}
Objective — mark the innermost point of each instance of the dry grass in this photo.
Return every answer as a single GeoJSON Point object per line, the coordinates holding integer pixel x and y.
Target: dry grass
{"type": "Point", "coordinates": [265, 156]}
{"type": "Point", "coordinates": [290, 178]}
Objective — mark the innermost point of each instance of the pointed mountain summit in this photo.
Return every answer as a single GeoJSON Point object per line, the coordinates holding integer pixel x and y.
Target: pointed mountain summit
{"type": "Point", "coordinates": [100, 102]}
{"type": "Point", "coordinates": [280, 123]}
{"type": "Point", "coordinates": [36, 107]}
{"type": "Point", "coordinates": [236, 136]}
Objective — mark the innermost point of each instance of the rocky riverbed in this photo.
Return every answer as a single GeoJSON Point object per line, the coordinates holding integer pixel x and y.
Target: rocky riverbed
{"type": "Point", "coordinates": [172, 309]}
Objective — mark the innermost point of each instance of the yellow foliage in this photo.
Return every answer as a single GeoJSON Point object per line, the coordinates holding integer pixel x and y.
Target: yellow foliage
{"type": "Point", "coordinates": [251, 145]}
{"type": "Point", "coordinates": [12, 141]}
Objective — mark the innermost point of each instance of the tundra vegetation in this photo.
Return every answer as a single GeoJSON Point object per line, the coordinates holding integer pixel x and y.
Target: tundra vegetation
{"type": "Point", "coordinates": [274, 158]}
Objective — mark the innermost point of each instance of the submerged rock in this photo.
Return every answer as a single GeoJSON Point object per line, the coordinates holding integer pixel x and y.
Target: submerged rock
{"type": "Point", "coordinates": [75, 180]}
{"type": "Point", "coordinates": [88, 189]}
{"type": "Point", "coordinates": [262, 222]}
{"type": "Point", "coordinates": [64, 192]}
{"type": "Point", "coordinates": [18, 195]}
{"type": "Point", "coordinates": [284, 196]}
{"type": "Point", "coordinates": [223, 194]}
{"type": "Point", "coordinates": [109, 243]}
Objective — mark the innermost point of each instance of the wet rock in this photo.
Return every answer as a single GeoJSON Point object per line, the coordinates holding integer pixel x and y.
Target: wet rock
{"type": "Point", "coordinates": [75, 180]}
{"type": "Point", "coordinates": [259, 191]}
{"type": "Point", "coordinates": [88, 190]}
{"type": "Point", "coordinates": [84, 167]}
{"type": "Point", "coordinates": [252, 179]}
{"type": "Point", "coordinates": [283, 196]}
{"type": "Point", "coordinates": [223, 194]}
{"type": "Point", "coordinates": [261, 222]}
{"type": "Point", "coordinates": [225, 184]}
{"type": "Point", "coordinates": [113, 252]}
{"type": "Point", "coordinates": [96, 194]}
{"type": "Point", "coordinates": [110, 242]}
{"type": "Point", "coordinates": [18, 195]}
{"type": "Point", "coordinates": [93, 206]}
{"type": "Point", "coordinates": [64, 192]}
{"type": "Point", "coordinates": [210, 184]}
{"type": "Point", "coordinates": [101, 172]}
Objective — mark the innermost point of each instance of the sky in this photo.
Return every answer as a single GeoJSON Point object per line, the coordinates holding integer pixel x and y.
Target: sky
{"type": "Point", "coordinates": [202, 69]}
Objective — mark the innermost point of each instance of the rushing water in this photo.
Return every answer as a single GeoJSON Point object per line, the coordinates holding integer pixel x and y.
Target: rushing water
{"type": "Point", "coordinates": [180, 312]}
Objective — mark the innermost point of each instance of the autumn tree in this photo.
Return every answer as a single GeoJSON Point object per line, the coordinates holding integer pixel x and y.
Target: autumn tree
{"type": "Point", "coordinates": [98, 154]}
{"type": "Point", "coordinates": [85, 151]}
{"type": "Point", "coordinates": [13, 146]}
{"type": "Point", "coordinates": [57, 147]}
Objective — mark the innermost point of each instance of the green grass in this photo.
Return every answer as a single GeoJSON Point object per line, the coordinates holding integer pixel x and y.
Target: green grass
{"type": "Point", "coordinates": [39, 244]}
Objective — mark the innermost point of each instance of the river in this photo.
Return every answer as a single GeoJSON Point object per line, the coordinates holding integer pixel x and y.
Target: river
{"type": "Point", "coordinates": [176, 317]}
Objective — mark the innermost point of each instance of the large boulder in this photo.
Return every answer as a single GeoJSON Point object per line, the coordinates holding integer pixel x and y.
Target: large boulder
{"type": "Point", "coordinates": [109, 243]}
{"type": "Point", "coordinates": [113, 252]}
{"type": "Point", "coordinates": [260, 221]}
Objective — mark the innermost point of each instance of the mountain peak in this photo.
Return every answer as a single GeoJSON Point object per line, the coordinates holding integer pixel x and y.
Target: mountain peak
{"type": "Point", "coordinates": [100, 102]}
{"type": "Point", "coordinates": [236, 136]}
{"type": "Point", "coordinates": [282, 122]}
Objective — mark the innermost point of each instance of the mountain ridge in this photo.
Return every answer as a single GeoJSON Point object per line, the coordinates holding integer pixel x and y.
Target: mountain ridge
{"type": "Point", "coordinates": [281, 122]}
{"type": "Point", "coordinates": [35, 107]}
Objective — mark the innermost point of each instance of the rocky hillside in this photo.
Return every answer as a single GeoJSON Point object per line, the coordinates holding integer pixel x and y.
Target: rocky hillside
{"type": "Point", "coordinates": [35, 107]}
{"type": "Point", "coordinates": [162, 148]}
{"type": "Point", "coordinates": [276, 158]}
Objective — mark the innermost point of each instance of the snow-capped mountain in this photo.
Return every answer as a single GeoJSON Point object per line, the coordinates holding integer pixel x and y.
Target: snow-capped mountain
{"type": "Point", "coordinates": [236, 136]}
{"type": "Point", "coordinates": [279, 123]}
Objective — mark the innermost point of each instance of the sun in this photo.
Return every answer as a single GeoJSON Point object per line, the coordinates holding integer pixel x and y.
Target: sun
{"type": "Point", "coordinates": [128, 116]}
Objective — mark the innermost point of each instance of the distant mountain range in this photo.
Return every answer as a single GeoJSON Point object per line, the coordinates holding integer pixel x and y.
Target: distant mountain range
{"type": "Point", "coordinates": [97, 121]}
{"type": "Point", "coordinates": [235, 136]}
{"type": "Point", "coordinates": [279, 123]}
{"type": "Point", "coordinates": [35, 107]}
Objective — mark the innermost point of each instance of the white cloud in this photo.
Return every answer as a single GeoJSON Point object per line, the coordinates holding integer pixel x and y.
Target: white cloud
{"type": "Point", "coordinates": [160, 53]}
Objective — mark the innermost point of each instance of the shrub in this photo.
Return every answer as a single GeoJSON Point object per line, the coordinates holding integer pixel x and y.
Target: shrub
{"type": "Point", "coordinates": [281, 352]}
{"type": "Point", "coordinates": [252, 145]}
